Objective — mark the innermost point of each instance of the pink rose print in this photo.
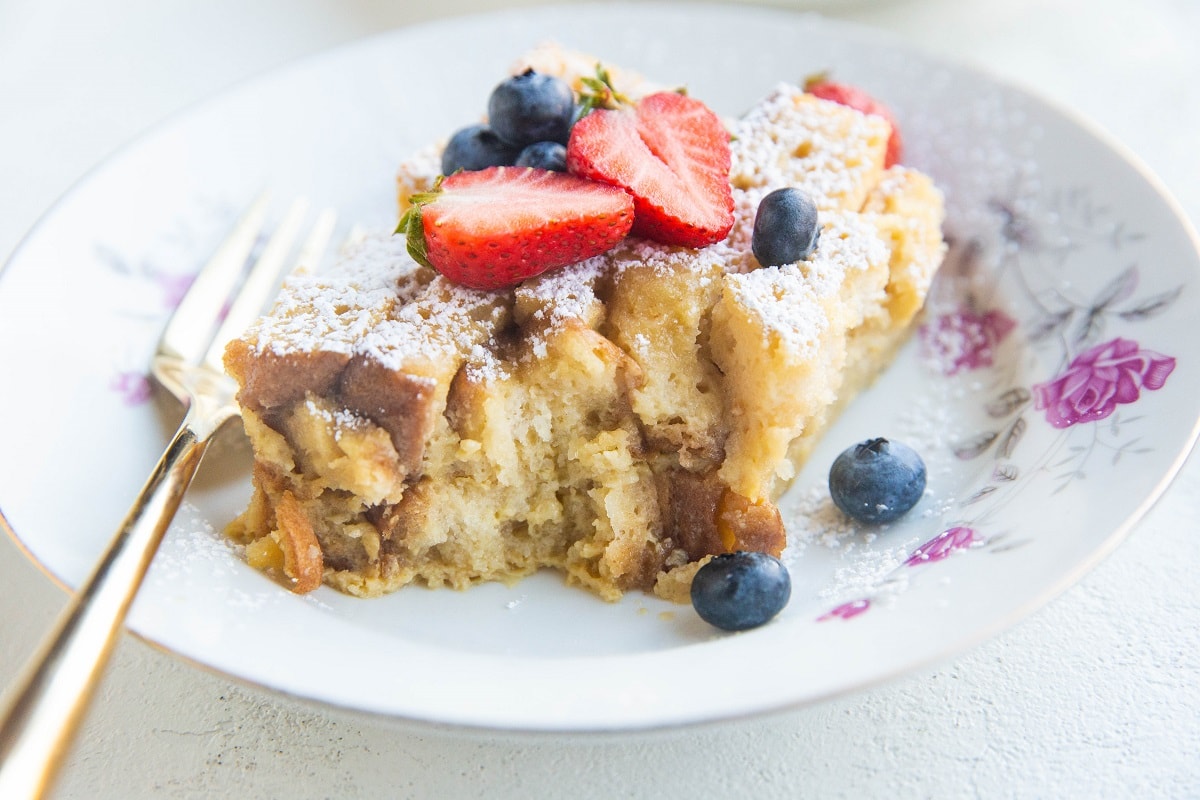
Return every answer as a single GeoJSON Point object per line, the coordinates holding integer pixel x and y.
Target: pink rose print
{"type": "Point", "coordinates": [965, 339]}
{"type": "Point", "coordinates": [134, 387]}
{"type": "Point", "coordinates": [942, 545]}
{"type": "Point", "coordinates": [1099, 380]}
{"type": "Point", "coordinates": [847, 610]}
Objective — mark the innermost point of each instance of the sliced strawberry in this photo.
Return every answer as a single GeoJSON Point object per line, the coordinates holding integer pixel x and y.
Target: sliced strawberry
{"type": "Point", "coordinates": [672, 154]}
{"type": "Point", "coordinates": [495, 227]}
{"type": "Point", "coordinates": [856, 98]}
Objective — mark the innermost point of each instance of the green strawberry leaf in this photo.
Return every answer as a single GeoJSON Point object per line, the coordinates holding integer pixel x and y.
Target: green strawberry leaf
{"type": "Point", "coordinates": [414, 235]}
{"type": "Point", "coordinates": [598, 92]}
{"type": "Point", "coordinates": [413, 228]}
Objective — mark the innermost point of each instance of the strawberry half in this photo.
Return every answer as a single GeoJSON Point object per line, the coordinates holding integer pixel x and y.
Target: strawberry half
{"type": "Point", "coordinates": [493, 228]}
{"type": "Point", "coordinates": [852, 96]}
{"type": "Point", "coordinates": [672, 154]}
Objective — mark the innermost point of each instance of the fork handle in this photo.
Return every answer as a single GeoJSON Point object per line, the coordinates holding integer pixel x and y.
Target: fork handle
{"type": "Point", "coordinates": [49, 699]}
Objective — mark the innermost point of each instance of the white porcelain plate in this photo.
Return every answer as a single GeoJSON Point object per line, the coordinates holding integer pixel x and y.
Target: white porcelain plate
{"type": "Point", "coordinates": [1049, 389]}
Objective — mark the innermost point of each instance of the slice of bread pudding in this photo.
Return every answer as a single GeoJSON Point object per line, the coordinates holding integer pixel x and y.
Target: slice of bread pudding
{"type": "Point", "coordinates": [619, 419]}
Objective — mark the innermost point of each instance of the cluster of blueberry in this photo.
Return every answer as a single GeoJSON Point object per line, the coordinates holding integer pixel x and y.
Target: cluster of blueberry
{"type": "Point", "coordinates": [529, 121]}
{"type": "Point", "coordinates": [875, 482]}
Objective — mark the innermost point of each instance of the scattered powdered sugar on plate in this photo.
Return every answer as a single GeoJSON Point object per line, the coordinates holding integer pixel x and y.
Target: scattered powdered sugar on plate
{"type": "Point", "coordinates": [866, 560]}
{"type": "Point", "coordinates": [994, 161]}
{"type": "Point", "coordinates": [195, 557]}
{"type": "Point", "coordinates": [929, 425]}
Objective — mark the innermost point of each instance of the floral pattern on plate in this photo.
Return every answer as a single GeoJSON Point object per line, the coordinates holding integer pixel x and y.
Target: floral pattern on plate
{"type": "Point", "coordinates": [994, 310]}
{"type": "Point", "coordinates": [155, 278]}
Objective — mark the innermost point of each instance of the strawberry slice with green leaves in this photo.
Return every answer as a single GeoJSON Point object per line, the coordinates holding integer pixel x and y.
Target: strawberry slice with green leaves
{"type": "Point", "coordinates": [671, 153]}
{"type": "Point", "coordinates": [493, 228]}
{"type": "Point", "coordinates": [844, 94]}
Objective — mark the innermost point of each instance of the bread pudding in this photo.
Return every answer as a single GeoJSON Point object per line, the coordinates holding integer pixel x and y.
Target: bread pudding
{"type": "Point", "coordinates": [620, 419]}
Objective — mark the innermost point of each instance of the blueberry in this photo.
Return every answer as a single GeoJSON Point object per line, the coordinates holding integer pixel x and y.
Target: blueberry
{"type": "Point", "coordinates": [476, 147]}
{"type": "Point", "coordinates": [544, 155]}
{"type": "Point", "coordinates": [739, 591]}
{"type": "Point", "coordinates": [785, 228]}
{"type": "Point", "coordinates": [877, 480]}
{"type": "Point", "coordinates": [532, 107]}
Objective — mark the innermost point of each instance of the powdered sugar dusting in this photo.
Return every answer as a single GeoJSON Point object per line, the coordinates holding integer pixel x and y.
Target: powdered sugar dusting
{"type": "Point", "coordinates": [420, 170]}
{"type": "Point", "coordinates": [788, 299]}
{"type": "Point", "coordinates": [704, 263]}
{"type": "Point", "coordinates": [440, 323]}
{"type": "Point", "coordinates": [995, 161]}
{"type": "Point", "coordinates": [194, 557]}
{"type": "Point", "coordinates": [567, 293]}
{"type": "Point", "coordinates": [865, 561]}
{"type": "Point", "coordinates": [795, 139]}
{"type": "Point", "coordinates": [483, 365]}
{"type": "Point", "coordinates": [336, 419]}
{"type": "Point", "coordinates": [378, 302]}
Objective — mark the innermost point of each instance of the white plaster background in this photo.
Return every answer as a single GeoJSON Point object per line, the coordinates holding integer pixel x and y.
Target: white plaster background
{"type": "Point", "coordinates": [1096, 695]}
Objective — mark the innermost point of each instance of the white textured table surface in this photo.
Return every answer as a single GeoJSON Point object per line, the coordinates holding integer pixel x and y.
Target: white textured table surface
{"type": "Point", "coordinates": [1096, 695]}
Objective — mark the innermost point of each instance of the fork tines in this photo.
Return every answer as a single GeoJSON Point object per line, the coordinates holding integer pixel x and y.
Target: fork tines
{"type": "Point", "coordinates": [216, 298]}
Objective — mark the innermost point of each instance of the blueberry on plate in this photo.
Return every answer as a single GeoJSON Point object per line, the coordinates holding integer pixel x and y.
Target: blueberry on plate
{"type": "Point", "coordinates": [878, 480]}
{"type": "Point", "coordinates": [742, 590]}
{"type": "Point", "coordinates": [785, 228]}
{"type": "Point", "coordinates": [476, 147]}
{"type": "Point", "coordinates": [544, 155]}
{"type": "Point", "coordinates": [532, 107]}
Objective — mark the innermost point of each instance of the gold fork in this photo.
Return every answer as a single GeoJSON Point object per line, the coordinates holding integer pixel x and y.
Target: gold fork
{"type": "Point", "coordinates": [49, 699]}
